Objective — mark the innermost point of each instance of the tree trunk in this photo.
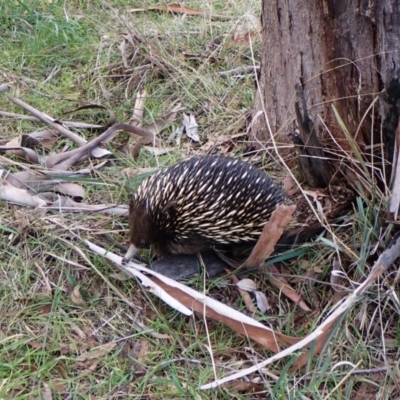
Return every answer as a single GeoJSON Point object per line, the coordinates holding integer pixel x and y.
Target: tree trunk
{"type": "Point", "coordinates": [344, 54]}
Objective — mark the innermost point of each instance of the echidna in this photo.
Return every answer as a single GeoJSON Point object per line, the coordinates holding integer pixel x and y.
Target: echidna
{"type": "Point", "coordinates": [200, 203]}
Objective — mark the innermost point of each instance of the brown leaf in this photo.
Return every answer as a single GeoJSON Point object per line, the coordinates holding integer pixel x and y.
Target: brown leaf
{"type": "Point", "coordinates": [31, 306]}
{"type": "Point", "coordinates": [46, 392]}
{"type": "Point", "coordinates": [28, 179]}
{"type": "Point", "coordinates": [77, 345]}
{"type": "Point", "coordinates": [247, 284]}
{"type": "Point", "coordinates": [41, 183]}
{"type": "Point", "coordinates": [46, 137]}
{"type": "Point", "coordinates": [98, 352]}
{"type": "Point", "coordinates": [39, 345]}
{"type": "Point", "coordinates": [143, 350]}
{"type": "Point", "coordinates": [139, 351]}
{"type": "Point", "coordinates": [366, 391]}
{"type": "Point", "coordinates": [5, 86]}
{"type": "Point", "coordinates": [245, 296]}
{"type": "Point", "coordinates": [262, 301]}
{"type": "Point", "coordinates": [135, 150]}
{"type": "Point", "coordinates": [124, 55]}
{"type": "Point", "coordinates": [79, 332]}
{"type": "Point", "coordinates": [305, 264]}
{"type": "Point", "coordinates": [246, 387]}
{"type": "Point", "coordinates": [90, 367]}
{"type": "Point", "coordinates": [76, 297]}
{"type": "Point", "coordinates": [164, 121]}
{"type": "Point", "coordinates": [19, 196]}
{"type": "Point", "coordinates": [59, 385]}
{"type": "Point", "coordinates": [14, 142]}
{"type": "Point", "coordinates": [70, 189]}
{"type": "Point", "coordinates": [22, 152]}
{"type": "Point", "coordinates": [47, 291]}
{"type": "Point", "coordinates": [283, 285]}
{"type": "Point", "coordinates": [191, 126]}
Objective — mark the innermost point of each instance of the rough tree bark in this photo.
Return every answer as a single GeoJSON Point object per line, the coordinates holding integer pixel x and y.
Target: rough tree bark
{"type": "Point", "coordinates": [344, 53]}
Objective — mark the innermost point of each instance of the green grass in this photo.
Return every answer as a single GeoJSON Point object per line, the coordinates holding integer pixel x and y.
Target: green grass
{"type": "Point", "coordinates": [54, 306]}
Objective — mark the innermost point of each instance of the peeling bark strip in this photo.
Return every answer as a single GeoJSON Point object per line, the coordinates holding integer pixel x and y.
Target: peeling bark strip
{"type": "Point", "coordinates": [342, 53]}
{"type": "Point", "coordinates": [313, 165]}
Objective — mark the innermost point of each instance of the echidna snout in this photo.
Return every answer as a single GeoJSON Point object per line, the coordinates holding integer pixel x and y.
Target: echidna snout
{"type": "Point", "coordinates": [200, 203]}
{"type": "Point", "coordinates": [140, 230]}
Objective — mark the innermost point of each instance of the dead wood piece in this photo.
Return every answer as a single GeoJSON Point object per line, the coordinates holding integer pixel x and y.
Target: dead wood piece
{"type": "Point", "coordinates": [66, 160]}
{"type": "Point", "coordinates": [49, 121]}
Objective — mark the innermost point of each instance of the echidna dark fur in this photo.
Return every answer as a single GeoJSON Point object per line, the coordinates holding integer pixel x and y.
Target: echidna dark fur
{"type": "Point", "coordinates": [200, 203]}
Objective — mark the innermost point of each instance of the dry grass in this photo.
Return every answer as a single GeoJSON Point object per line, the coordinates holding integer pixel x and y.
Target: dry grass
{"type": "Point", "coordinates": [66, 326]}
